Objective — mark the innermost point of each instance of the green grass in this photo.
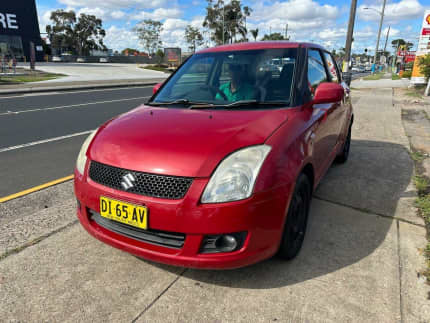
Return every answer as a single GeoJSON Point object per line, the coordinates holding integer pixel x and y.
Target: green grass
{"type": "Point", "coordinates": [421, 184]}
{"type": "Point", "coordinates": [395, 77]}
{"type": "Point", "coordinates": [423, 203]}
{"type": "Point", "coordinates": [28, 78]}
{"type": "Point", "coordinates": [417, 156]}
{"type": "Point", "coordinates": [416, 92]}
{"type": "Point", "coordinates": [373, 77]}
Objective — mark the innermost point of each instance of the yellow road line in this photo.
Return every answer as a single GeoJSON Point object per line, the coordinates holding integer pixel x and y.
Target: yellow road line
{"type": "Point", "coordinates": [36, 188]}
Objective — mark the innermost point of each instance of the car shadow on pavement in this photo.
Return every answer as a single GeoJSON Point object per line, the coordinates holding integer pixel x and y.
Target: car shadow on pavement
{"type": "Point", "coordinates": [343, 228]}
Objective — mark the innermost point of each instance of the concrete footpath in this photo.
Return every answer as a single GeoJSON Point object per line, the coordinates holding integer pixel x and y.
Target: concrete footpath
{"type": "Point", "coordinates": [360, 261]}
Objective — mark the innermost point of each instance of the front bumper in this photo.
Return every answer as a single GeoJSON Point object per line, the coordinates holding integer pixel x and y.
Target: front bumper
{"type": "Point", "coordinates": [261, 216]}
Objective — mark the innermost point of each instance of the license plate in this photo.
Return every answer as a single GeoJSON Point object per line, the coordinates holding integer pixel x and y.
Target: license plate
{"type": "Point", "coordinates": [134, 215]}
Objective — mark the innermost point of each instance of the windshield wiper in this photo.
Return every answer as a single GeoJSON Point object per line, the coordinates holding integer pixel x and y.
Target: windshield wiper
{"type": "Point", "coordinates": [255, 102]}
{"type": "Point", "coordinates": [179, 101]}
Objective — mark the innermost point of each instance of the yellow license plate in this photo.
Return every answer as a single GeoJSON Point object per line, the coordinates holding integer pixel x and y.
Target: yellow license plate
{"type": "Point", "coordinates": [134, 215]}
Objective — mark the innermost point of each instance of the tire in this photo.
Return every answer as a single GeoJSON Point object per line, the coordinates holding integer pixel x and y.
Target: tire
{"type": "Point", "coordinates": [343, 157]}
{"type": "Point", "coordinates": [297, 219]}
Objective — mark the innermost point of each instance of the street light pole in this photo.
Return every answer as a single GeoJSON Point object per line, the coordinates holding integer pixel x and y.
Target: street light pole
{"type": "Point", "coordinates": [348, 44]}
{"type": "Point", "coordinates": [379, 31]}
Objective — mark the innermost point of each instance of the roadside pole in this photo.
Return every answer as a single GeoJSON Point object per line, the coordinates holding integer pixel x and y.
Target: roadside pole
{"type": "Point", "coordinates": [379, 32]}
{"type": "Point", "coordinates": [348, 45]}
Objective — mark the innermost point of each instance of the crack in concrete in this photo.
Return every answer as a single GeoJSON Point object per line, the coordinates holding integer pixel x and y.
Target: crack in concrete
{"type": "Point", "coordinates": [400, 271]}
{"type": "Point", "coordinates": [35, 241]}
{"type": "Point", "coordinates": [159, 296]}
{"type": "Point", "coordinates": [369, 212]}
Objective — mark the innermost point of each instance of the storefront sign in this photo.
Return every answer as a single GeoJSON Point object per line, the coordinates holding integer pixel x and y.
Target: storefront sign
{"type": "Point", "coordinates": [423, 49]}
{"type": "Point", "coordinates": [8, 21]}
{"type": "Point", "coordinates": [173, 55]}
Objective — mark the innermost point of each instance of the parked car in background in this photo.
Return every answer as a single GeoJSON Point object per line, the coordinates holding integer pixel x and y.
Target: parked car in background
{"type": "Point", "coordinates": [355, 69]}
{"type": "Point", "coordinates": [57, 58]}
{"type": "Point", "coordinates": [104, 60]}
{"type": "Point", "coordinates": [81, 60]}
{"type": "Point", "coordinates": [218, 168]}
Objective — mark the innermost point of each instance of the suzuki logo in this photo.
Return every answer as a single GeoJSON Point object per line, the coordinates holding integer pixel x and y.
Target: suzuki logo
{"type": "Point", "coordinates": [127, 181]}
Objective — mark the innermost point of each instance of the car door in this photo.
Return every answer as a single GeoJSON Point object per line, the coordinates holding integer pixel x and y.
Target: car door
{"type": "Point", "coordinates": [322, 114]}
{"type": "Point", "coordinates": [340, 111]}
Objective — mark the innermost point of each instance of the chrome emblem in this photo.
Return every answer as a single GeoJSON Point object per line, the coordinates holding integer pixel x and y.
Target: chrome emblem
{"type": "Point", "coordinates": [127, 181]}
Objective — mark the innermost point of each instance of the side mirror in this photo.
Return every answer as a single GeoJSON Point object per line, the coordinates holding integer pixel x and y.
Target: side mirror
{"type": "Point", "coordinates": [328, 93]}
{"type": "Point", "coordinates": [156, 88]}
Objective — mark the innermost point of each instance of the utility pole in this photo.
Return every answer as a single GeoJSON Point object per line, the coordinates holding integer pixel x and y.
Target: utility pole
{"type": "Point", "coordinates": [379, 31]}
{"type": "Point", "coordinates": [223, 22]}
{"type": "Point", "coordinates": [286, 32]}
{"type": "Point", "coordinates": [386, 38]}
{"type": "Point", "coordinates": [348, 44]}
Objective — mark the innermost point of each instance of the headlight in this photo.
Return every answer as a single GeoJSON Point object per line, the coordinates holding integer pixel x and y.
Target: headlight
{"type": "Point", "coordinates": [82, 157]}
{"type": "Point", "coordinates": [235, 176]}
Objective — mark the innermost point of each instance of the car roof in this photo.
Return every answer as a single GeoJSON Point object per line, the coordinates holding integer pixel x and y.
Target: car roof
{"type": "Point", "coordinates": [259, 45]}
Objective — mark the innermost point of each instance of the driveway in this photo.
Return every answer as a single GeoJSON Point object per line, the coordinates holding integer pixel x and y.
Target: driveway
{"type": "Point", "coordinates": [359, 262]}
{"type": "Point", "coordinates": [96, 72]}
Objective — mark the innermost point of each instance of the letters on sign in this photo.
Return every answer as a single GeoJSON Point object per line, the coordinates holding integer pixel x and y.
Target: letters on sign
{"type": "Point", "coordinates": [8, 21]}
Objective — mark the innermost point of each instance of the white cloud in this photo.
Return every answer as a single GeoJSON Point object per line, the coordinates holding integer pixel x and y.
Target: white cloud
{"type": "Point", "coordinates": [120, 38]}
{"type": "Point", "coordinates": [158, 14]}
{"type": "Point", "coordinates": [294, 10]}
{"type": "Point", "coordinates": [394, 12]}
{"type": "Point", "coordinates": [120, 4]}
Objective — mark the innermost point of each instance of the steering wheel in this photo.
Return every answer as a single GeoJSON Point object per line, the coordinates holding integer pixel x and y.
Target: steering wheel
{"type": "Point", "coordinates": [214, 90]}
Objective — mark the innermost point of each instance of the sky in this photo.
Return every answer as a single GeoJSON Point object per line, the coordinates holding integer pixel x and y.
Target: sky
{"type": "Point", "coordinates": [321, 21]}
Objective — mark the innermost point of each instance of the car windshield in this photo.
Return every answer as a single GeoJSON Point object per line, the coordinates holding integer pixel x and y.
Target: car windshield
{"type": "Point", "coordinates": [254, 78]}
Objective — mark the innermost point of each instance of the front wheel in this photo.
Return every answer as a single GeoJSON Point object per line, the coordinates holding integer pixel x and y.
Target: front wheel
{"type": "Point", "coordinates": [297, 218]}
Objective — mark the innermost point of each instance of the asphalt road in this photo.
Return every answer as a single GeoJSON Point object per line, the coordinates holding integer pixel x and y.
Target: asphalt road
{"type": "Point", "coordinates": [41, 133]}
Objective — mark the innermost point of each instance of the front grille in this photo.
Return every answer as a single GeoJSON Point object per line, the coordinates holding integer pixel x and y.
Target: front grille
{"type": "Point", "coordinates": [160, 238]}
{"type": "Point", "coordinates": [162, 186]}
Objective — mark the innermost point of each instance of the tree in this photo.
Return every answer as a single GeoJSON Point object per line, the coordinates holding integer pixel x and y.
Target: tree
{"type": "Point", "coordinates": [149, 32]}
{"type": "Point", "coordinates": [274, 36]}
{"type": "Point", "coordinates": [193, 37]}
{"type": "Point", "coordinates": [401, 43]}
{"type": "Point", "coordinates": [88, 34]}
{"type": "Point", "coordinates": [160, 56]}
{"type": "Point", "coordinates": [60, 33]}
{"type": "Point", "coordinates": [254, 33]}
{"type": "Point", "coordinates": [424, 65]}
{"type": "Point", "coordinates": [76, 35]}
{"type": "Point", "coordinates": [226, 20]}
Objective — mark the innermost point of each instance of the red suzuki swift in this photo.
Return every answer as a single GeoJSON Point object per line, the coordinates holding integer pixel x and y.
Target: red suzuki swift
{"type": "Point", "coordinates": [217, 169]}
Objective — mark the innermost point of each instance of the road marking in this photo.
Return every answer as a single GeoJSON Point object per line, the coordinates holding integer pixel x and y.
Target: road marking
{"type": "Point", "coordinates": [70, 106]}
{"type": "Point", "coordinates": [44, 141]}
{"type": "Point", "coordinates": [72, 92]}
{"type": "Point", "coordinates": [36, 188]}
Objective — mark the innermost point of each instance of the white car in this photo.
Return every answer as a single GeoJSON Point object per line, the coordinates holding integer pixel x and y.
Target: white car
{"type": "Point", "coordinates": [104, 60]}
{"type": "Point", "coordinates": [57, 59]}
{"type": "Point", "coordinates": [81, 60]}
{"type": "Point", "coordinates": [355, 69]}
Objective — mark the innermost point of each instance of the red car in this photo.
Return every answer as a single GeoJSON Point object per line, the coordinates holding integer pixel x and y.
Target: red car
{"type": "Point", "coordinates": [218, 168]}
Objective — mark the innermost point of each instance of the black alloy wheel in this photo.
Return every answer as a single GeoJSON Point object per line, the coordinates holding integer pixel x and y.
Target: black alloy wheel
{"type": "Point", "coordinates": [297, 218]}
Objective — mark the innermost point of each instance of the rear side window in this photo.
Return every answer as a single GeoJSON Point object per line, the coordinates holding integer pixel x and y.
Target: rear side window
{"type": "Point", "coordinates": [332, 69]}
{"type": "Point", "coordinates": [316, 70]}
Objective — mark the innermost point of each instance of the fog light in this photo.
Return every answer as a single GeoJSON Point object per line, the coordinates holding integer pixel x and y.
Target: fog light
{"type": "Point", "coordinates": [223, 242]}
{"type": "Point", "coordinates": [226, 243]}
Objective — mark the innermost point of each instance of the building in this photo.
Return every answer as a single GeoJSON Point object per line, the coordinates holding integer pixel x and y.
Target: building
{"type": "Point", "coordinates": [19, 27]}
